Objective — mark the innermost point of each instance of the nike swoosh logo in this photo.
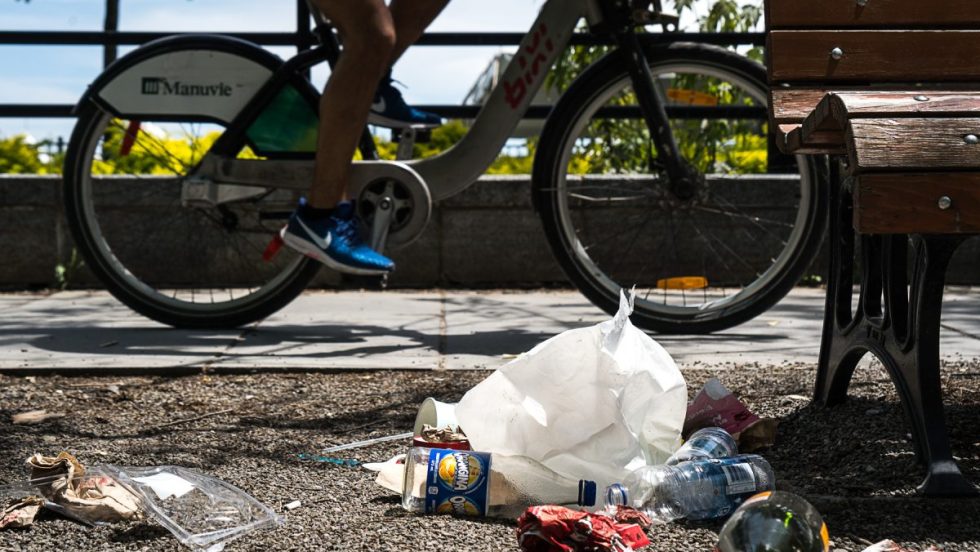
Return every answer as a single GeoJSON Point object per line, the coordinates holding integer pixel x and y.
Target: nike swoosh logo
{"type": "Point", "coordinates": [320, 242]}
{"type": "Point", "coordinates": [379, 106]}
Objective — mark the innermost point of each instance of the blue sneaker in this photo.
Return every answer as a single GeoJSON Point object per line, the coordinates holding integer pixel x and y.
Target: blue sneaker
{"type": "Point", "coordinates": [334, 241]}
{"type": "Point", "coordinates": [389, 109]}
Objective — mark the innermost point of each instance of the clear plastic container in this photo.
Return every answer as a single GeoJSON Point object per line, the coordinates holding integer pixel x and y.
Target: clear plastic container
{"type": "Point", "coordinates": [203, 512]}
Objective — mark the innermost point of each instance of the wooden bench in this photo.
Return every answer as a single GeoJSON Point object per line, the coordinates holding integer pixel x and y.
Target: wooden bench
{"type": "Point", "coordinates": [890, 90]}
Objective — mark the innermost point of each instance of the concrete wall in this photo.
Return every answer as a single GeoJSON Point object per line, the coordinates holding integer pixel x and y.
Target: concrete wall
{"type": "Point", "coordinates": [486, 236]}
{"type": "Point", "coordinates": [462, 246]}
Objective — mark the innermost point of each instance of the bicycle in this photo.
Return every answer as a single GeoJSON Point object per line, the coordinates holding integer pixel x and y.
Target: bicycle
{"type": "Point", "coordinates": [649, 143]}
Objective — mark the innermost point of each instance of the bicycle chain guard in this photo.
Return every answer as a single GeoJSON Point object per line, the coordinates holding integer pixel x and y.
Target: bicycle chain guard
{"type": "Point", "coordinates": [393, 200]}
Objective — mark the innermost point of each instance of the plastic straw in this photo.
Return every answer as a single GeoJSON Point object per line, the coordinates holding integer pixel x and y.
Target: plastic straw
{"type": "Point", "coordinates": [368, 442]}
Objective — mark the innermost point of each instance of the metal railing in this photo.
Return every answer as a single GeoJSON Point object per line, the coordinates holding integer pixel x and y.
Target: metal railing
{"type": "Point", "coordinates": [302, 38]}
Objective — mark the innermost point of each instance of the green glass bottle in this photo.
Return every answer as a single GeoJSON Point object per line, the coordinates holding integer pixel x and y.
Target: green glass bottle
{"type": "Point", "coordinates": [774, 521]}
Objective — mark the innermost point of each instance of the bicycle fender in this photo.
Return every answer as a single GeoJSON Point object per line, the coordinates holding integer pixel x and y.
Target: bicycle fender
{"type": "Point", "coordinates": [211, 76]}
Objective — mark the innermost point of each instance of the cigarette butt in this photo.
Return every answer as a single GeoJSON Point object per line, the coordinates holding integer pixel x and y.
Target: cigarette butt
{"type": "Point", "coordinates": [293, 505]}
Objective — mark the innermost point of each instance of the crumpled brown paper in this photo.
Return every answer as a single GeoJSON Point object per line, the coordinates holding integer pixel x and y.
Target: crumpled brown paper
{"type": "Point", "coordinates": [21, 513]}
{"type": "Point", "coordinates": [92, 498]}
{"type": "Point", "coordinates": [448, 434]}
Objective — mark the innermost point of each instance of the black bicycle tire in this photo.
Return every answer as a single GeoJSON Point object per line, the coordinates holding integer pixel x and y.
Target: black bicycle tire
{"type": "Point", "coordinates": [89, 114]}
{"type": "Point", "coordinates": [546, 169]}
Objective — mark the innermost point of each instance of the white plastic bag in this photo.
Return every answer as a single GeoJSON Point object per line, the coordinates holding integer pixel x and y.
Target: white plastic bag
{"type": "Point", "coordinates": [591, 402]}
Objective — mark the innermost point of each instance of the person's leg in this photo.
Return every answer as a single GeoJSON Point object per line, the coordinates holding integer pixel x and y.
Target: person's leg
{"type": "Point", "coordinates": [325, 228]}
{"type": "Point", "coordinates": [411, 17]}
{"type": "Point", "coordinates": [373, 38]}
{"type": "Point", "coordinates": [368, 35]}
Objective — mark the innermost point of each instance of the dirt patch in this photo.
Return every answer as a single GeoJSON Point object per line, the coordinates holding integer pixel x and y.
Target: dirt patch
{"type": "Point", "coordinates": [854, 461]}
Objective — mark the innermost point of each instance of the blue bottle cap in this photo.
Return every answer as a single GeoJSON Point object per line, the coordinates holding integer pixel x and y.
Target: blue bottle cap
{"type": "Point", "coordinates": [586, 492]}
{"type": "Point", "coordinates": [616, 495]}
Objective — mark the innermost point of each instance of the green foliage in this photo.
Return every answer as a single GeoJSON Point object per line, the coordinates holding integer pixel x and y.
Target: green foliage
{"type": "Point", "coordinates": [449, 135]}
{"type": "Point", "coordinates": [727, 16]}
{"type": "Point", "coordinates": [724, 15]}
{"type": "Point", "coordinates": [156, 152]}
{"type": "Point", "coordinates": [151, 152]}
{"type": "Point", "coordinates": [19, 156]}
{"type": "Point", "coordinates": [810, 279]}
{"type": "Point", "coordinates": [64, 273]}
{"type": "Point", "coordinates": [508, 164]}
{"type": "Point", "coordinates": [715, 145]}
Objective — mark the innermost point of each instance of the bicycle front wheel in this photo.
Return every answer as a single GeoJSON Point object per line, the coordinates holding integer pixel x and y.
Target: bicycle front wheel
{"type": "Point", "coordinates": [193, 265]}
{"type": "Point", "coordinates": [705, 254]}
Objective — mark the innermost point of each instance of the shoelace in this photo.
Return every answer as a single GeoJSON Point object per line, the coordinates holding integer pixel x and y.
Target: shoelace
{"type": "Point", "coordinates": [347, 229]}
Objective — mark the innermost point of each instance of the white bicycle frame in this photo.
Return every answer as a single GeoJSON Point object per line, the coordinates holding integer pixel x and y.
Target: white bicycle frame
{"type": "Point", "coordinates": [460, 166]}
{"type": "Point", "coordinates": [455, 169]}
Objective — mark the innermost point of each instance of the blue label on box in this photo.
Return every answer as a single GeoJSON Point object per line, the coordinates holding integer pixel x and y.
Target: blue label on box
{"type": "Point", "coordinates": [457, 482]}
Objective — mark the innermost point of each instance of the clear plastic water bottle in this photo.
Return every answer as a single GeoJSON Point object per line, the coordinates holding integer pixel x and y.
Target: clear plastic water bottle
{"type": "Point", "coordinates": [701, 489]}
{"type": "Point", "coordinates": [708, 442]}
{"type": "Point", "coordinates": [466, 482]}
{"type": "Point", "coordinates": [774, 521]}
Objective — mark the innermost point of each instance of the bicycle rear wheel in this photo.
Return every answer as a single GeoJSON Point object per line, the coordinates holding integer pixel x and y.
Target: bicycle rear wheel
{"type": "Point", "coordinates": [703, 257]}
{"type": "Point", "coordinates": [184, 265]}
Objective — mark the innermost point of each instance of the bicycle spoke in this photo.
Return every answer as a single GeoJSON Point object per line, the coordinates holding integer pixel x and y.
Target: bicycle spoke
{"type": "Point", "coordinates": [159, 150]}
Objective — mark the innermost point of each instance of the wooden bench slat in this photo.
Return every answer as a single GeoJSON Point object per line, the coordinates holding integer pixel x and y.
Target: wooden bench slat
{"type": "Point", "coordinates": [909, 203]}
{"type": "Point", "coordinates": [847, 13]}
{"type": "Point", "coordinates": [789, 140]}
{"type": "Point", "coordinates": [815, 144]}
{"type": "Point", "coordinates": [874, 56]}
{"type": "Point", "coordinates": [911, 144]}
{"type": "Point", "coordinates": [914, 103]}
{"type": "Point", "coordinates": [830, 116]}
{"type": "Point", "coordinates": [792, 105]}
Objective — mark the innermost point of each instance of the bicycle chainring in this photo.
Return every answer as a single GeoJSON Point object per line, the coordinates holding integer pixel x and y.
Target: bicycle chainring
{"type": "Point", "coordinates": [392, 186]}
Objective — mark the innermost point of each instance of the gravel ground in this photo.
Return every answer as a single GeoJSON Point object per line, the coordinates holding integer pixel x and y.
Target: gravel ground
{"type": "Point", "coordinates": [854, 461]}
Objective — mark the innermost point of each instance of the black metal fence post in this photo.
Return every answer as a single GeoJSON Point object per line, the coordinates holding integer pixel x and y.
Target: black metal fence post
{"type": "Point", "coordinates": [303, 29]}
{"type": "Point", "coordinates": [109, 49]}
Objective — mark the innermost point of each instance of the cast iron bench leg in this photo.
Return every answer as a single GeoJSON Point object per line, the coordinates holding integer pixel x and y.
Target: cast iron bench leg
{"type": "Point", "coordinates": [903, 333]}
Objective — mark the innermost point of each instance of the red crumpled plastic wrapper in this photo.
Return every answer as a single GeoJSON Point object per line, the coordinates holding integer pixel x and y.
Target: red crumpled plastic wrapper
{"type": "Point", "coordinates": [559, 529]}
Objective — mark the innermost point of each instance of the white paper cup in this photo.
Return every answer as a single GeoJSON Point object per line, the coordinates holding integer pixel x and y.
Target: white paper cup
{"type": "Point", "coordinates": [435, 414]}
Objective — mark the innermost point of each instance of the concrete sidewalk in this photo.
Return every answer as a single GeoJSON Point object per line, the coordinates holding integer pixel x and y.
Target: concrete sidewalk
{"type": "Point", "coordinates": [81, 331]}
